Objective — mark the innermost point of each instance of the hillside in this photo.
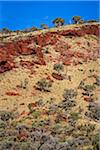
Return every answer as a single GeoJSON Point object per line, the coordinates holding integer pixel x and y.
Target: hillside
{"type": "Point", "coordinates": [49, 89]}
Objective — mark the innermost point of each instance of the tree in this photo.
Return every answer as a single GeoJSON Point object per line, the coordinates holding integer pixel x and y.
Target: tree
{"type": "Point", "coordinates": [5, 30]}
{"type": "Point", "coordinates": [58, 22]}
{"type": "Point", "coordinates": [44, 26]}
{"type": "Point", "coordinates": [76, 19]}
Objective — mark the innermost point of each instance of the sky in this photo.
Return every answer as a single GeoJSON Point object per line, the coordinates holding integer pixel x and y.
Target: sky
{"type": "Point", "coordinates": [25, 14]}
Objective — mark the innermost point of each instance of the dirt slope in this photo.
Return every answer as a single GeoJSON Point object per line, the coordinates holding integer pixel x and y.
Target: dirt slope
{"type": "Point", "coordinates": [61, 103]}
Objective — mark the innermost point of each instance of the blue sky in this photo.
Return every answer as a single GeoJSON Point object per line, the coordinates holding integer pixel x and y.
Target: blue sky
{"type": "Point", "coordinates": [23, 14]}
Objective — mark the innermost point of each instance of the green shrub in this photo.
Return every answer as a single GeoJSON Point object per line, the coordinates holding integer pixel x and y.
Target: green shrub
{"type": "Point", "coordinates": [81, 85]}
{"type": "Point", "coordinates": [81, 21]}
{"type": "Point", "coordinates": [74, 115]}
{"type": "Point", "coordinates": [44, 85]}
{"type": "Point", "coordinates": [58, 67]}
{"type": "Point", "coordinates": [69, 94]}
{"type": "Point", "coordinates": [5, 116]}
{"type": "Point", "coordinates": [87, 128]}
{"type": "Point", "coordinates": [91, 21]}
{"type": "Point", "coordinates": [2, 124]}
{"type": "Point", "coordinates": [6, 145]}
{"type": "Point", "coordinates": [5, 30]}
{"type": "Point", "coordinates": [44, 26]}
{"type": "Point", "coordinates": [35, 114]}
{"type": "Point", "coordinates": [98, 80]}
{"type": "Point", "coordinates": [89, 87]}
{"type": "Point", "coordinates": [96, 141]}
{"type": "Point", "coordinates": [94, 111]}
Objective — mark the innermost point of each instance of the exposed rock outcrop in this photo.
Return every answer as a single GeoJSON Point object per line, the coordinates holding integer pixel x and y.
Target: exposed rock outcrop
{"type": "Point", "coordinates": [14, 48]}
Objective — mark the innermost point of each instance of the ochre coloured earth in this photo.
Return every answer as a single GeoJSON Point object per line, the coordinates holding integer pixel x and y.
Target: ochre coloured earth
{"type": "Point", "coordinates": [43, 107]}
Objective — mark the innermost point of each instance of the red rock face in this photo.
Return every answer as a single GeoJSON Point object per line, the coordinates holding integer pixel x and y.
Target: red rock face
{"type": "Point", "coordinates": [68, 57]}
{"type": "Point", "coordinates": [8, 51]}
{"type": "Point", "coordinates": [39, 54]}
{"type": "Point", "coordinates": [6, 65]}
{"type": "Point", "coordinates": [26, 64]}
{"type": "Point", "coordinates": [57, 76]}
{"type": "Point", "coordinates": [86, 29]}
{"type": "Point", "coordinates": [12, 93]}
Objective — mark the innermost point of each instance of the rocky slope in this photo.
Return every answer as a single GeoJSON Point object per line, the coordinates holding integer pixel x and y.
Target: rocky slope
{"type": "Point", "coordinates": [34, 44]}
{"type": "Point", "coordinates": [49, 89]}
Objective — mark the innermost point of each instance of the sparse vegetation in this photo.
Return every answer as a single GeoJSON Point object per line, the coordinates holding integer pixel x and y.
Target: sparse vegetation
{"type": "Point", "coordinates": [5, 30]}
{"type": "Point", "coordinates": [69, 94]}
{"type": "Point", "coordinates": [35, 114]}
{"type": "Point", "coordinates": [44, 85]}
{"type": "Point", "coordinates": [94, 111]}
{"type": "Point", "coordinates": [74, 116]}
{"type": "Point", "coordinates": [5, 116]}
{"type": "Point", "coordinates": [44, 26]}
{"type": "Point", "coordinates": [96, 141]}
{"type": "Point", "coordinates": [58, 22]}
{"type": "Point", "coordinates": [58, 68]}
{"type": "Point", "coordinates": [97, 81]}
{"type": "Point", "coordinates": [90, 21]}
{"type": "Point", "coordinates": [53, 103]}
{"type": "Point", "coordinates": [24, 83]}
{"type": "Point", "coordinates": [76, 19]}
{"type": "Point", "coordinates": [81, 85]}
{"type": "Point", "coordinates": [32, 29]}
{"type": "Point", "coordinates": [81, 21]}
{"type": "Point", "coordinates": [88, 128]}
